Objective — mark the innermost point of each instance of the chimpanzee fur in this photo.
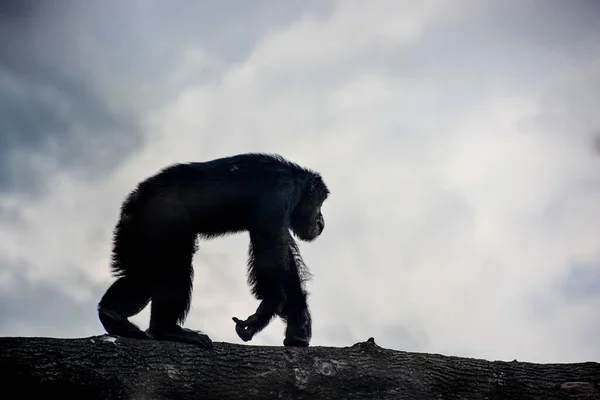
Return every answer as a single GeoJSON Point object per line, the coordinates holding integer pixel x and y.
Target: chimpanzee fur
{"type": "Point", "coordinates": [155, 241]}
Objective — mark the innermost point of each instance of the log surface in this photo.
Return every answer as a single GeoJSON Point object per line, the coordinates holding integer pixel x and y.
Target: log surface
{"type": "Point", "coordinates": [105, 367]}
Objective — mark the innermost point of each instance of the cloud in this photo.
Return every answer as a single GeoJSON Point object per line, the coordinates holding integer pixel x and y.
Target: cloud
{"type": "Point", "coordinates": [30, 307]}
{"type": "Point", "coordinates": [71, 99]}
{"type": "Point", "coordinates": [54, 116]}
{"type": "Point", "coordinates": [456, 137]}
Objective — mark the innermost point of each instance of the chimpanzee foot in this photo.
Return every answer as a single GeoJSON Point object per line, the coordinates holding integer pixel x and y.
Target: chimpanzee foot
{"type": "Point", "coordinates": [295, 341]}
{"type": "Point", "coordinates": [179, 334]}
{"type": "Point", "coordinates": [115, 324]}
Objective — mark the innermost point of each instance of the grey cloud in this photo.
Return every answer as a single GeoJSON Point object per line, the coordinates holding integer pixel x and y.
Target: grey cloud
{"type": "Point", "coordinates": [76, 78]}
{"type": "Point", "coordinates": [16, 8]}
{"type": "Point", "coordinates": [125, 62]}
{"type": "Point", "coordinates": [469, 56]}
{"type": "Point", "coordinates": [485, 50]}
{"type": "Point", "coordinates": [84, 134]}
{"type": "Point", "coordinates": [10, 215]}
{"type": "Point", "coordinates": [506, 45]}
{"type": "Point", "coordinates": [409, 338]}
{"type": "Point", "coordinates": [45, 308]}
{"type": "Point", "coordinates": [341, 332]}
{"type": "Point", "coordinates": [52, 115]}
{"type": "Point", "coordinates": [582, 281]}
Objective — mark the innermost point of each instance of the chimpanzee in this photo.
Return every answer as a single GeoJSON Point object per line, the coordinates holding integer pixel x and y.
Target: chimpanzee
{"type": "Point", "coordinates": [156, 238]}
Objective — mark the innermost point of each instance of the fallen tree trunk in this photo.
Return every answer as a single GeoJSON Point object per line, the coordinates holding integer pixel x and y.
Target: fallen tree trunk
{"type": "Point", "coordinates": [106, 367]}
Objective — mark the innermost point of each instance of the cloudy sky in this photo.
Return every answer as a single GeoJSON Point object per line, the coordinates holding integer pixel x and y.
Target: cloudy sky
{"type": "Point", "coordinates": [459, 138]}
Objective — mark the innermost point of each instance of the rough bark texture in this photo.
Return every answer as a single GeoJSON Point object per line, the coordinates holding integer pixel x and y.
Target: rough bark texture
{"type": "Point", "coordinates": [105, 367]}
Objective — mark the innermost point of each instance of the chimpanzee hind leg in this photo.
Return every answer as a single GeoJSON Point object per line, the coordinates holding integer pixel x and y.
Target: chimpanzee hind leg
{"type": "Point", "coordinates": [171, 297]}
{"type": "Point", "coordinates": [126, 297]}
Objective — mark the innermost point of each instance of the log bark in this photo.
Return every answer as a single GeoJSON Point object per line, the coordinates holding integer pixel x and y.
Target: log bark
{"type": "Point", "coordinates": [105, 367]}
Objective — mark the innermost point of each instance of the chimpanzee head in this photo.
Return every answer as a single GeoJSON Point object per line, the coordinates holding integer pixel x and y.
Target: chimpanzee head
{"type": "Point", "coordinates": [307, 221]}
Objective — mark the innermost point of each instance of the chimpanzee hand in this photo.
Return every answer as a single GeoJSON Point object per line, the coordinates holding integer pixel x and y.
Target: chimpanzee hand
{"type": "Point", "coordinates": [246, 329]}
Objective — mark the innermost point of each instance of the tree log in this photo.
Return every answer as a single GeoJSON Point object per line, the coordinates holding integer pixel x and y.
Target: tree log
{"type": "Point", "coordinates": [105, 367]}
